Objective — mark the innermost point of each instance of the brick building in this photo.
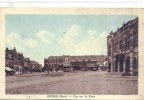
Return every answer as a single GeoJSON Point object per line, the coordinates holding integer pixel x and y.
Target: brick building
{"type": "Point", "coordinates": [35, 66]}
{"type": "Point", "coordinates": [14, 59]}
{"type": "Point", "coordinates": [122, 47]}
{"type": "Point", "coordinates": [17, 61]}
{"type": "Point", "coordinates": [56, 62]}
{"type": "Point", "coordinates": [74, 62]}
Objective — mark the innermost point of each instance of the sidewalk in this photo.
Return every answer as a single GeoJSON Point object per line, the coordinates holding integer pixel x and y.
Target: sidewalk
{"type": "Point", "coordinates": [119, 74]}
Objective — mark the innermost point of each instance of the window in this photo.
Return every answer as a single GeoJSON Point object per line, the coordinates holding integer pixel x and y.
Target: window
{"type": "Point", "coordinates": [109, 50]}
{"type": "Point", "coordinates": [127, 44]}
{"type": "Point", "coordinates": [135, 38]}
{"type": "Point", "coordinates": [115, 47]}
{"type": "Point", "coordinates": [135, 41]}
{"type": "Point", "coordinates": [66, 60]}
{"type": "Point", "coordinates": [120, 45]}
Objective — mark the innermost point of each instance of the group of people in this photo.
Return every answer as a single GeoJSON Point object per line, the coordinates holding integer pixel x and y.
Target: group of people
{"type": "Point", "coordinates": [52, 69]}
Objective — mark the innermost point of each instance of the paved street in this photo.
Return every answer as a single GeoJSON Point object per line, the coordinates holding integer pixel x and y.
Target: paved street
{"type": "Point", "coordinates": [89, 82]}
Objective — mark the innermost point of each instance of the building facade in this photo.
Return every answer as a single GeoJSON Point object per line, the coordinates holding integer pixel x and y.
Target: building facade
{"type": "Point", "coordinates": [13, 57]}
{"type": "Point", "coordinates": [17, 61]}
{"type": "Point", "coordinates": [56, 62]}
{"type": "Point", "coordinates": [35, 66]}
{"type": "Point", "coordinates": [74, 62]}
{"type": "Point", "coordinates": [14, 60]}
{"type": "Point", "coordinates": [122, 47]}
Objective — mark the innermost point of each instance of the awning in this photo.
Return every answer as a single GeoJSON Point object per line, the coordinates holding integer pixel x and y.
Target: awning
{"type": "Point", "coordinates": [17, 66]}
{"type": "Point", "coordinates": [8, 69]}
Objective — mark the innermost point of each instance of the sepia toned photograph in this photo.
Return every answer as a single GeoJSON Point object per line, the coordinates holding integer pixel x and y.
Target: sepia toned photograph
{"type": "Point", "coordinates": [71, 54]}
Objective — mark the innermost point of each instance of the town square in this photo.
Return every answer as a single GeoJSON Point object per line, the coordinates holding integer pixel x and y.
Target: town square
{"type": "Point", "coordinates": [71, 54]}
{"type": "Point", "coordinates": [82, 82]}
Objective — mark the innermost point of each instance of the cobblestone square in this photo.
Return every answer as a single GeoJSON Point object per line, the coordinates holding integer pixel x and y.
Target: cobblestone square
{"type": "Point", "coordinates": [89, 82]}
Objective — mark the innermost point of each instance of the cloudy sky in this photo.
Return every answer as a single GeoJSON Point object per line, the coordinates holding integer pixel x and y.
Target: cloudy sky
{"type": "Point", "coordinates": [39, 36]}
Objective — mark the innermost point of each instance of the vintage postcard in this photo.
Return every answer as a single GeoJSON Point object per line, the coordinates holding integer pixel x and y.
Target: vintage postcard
{"type": "Point", "coordinates": [71, 53]}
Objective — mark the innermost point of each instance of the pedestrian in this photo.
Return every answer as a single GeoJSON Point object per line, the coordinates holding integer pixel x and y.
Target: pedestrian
{"type": "Point", "coordinates": [48, 70]}
{"type": "Point", "coordinates": [20, 71]}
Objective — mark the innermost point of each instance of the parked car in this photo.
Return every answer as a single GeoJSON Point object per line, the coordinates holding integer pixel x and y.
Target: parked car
{"type": "Point", "coordinates": [9, 71]}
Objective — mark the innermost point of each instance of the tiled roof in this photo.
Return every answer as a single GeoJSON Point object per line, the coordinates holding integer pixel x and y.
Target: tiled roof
{"type": "Point", "coordinates": [33, 62]}
{"type": "Point", "coordinates": [81, 57]}
{"type": "Point", "coordinates": [11, 51]}
{"type": "Point", "coordinates": [59, 57]}
{"type": "Point", "coordinates": [55, 57]}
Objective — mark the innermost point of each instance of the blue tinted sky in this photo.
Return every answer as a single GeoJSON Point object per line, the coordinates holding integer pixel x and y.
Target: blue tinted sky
{"type": "Point", "coordinates": [39, 36]}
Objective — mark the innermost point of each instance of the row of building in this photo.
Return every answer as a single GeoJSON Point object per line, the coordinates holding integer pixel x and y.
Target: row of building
{"type": "Point", "coordinates": [76, 62]}
{"type": "Point", "coordinates": [122, 54]}
{"type": "Point", "coordinates": [122, 46]}
{"type": "Point", "coordinates": [19, 63]}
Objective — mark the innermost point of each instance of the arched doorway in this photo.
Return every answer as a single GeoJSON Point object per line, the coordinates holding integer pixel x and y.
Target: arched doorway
{"type": "Point", "coordinates": [109, 67]}
{"type": "Point", "coordinates": [121, 61]}
{"type": "Point", "coordinates": [135, 64]}
{"type": "Point", "coordinates": [127, 64]}
{"type": "Point", "coordinates": [121, 65]}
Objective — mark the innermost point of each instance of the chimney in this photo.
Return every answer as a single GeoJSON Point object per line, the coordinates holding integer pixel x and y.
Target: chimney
{"type": "Point", "coordinates": [6, 49]}
{"type": "Point", "coordinates": [14, 48]}
{"type": "Point", "coordinates": [123, 23]}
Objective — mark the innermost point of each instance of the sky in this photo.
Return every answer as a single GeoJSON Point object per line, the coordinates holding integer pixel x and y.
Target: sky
{"type": "Point", "coordinates": [40, 36]}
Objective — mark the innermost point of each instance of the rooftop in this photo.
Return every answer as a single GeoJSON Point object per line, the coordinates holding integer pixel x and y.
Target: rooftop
{"type": "Point", "coordinates": [80, 57]}
{"type": "Point", "coordinates": [123, 25]}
